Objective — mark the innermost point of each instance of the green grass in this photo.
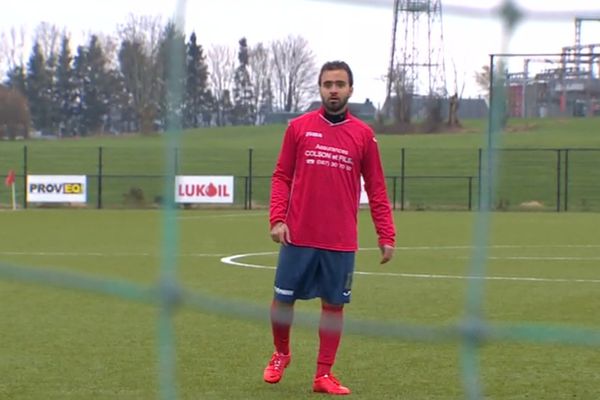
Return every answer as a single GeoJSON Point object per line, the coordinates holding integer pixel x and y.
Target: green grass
{"type": "Point", "coordinates": [70, 344]}
{"type": "Point", "coordinates": [525, 176]}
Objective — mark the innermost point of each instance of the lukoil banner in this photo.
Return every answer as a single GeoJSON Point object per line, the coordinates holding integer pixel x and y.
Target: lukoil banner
{"type": "Point", "coordinates": [56, 188]}
{"type": "Point", "coordinates": [204, 189]}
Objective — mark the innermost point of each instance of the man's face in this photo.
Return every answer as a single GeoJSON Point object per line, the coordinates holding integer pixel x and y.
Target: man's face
{"type": "Point", "coordinates": [335, 91]}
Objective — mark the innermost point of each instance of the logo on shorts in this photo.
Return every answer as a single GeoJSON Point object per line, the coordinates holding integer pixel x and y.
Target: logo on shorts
{"type": "Point", "coordinates": [283, 292]}
{"type": "Point", "coordinates": [348, 283]}
{"type": "Point", "coordinates": [347, 293]}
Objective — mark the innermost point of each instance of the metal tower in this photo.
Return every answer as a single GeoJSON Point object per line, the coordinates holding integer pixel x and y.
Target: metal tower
{"type": "Point", "coordinates": [417, 48]}
{"type": "Point", "coordinates": [579, 48]}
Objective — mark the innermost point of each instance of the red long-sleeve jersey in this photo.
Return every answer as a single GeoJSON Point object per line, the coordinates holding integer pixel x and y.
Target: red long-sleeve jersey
{"type": "Point", "coordinates": [315, 187]}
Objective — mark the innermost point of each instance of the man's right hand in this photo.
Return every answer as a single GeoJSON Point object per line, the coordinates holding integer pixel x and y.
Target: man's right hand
{"type": "Point", "coordinates": [280, 233]}
{"type": "Point", "coordinates": [387, 252]}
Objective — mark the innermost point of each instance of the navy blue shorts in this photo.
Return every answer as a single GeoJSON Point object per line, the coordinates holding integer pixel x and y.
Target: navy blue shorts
{"type": "Point", "coordinates": [306, 272]}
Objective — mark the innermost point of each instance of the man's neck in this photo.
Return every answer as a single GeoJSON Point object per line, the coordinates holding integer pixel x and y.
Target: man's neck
{"type": "Point", "coordinates": [335, 118]}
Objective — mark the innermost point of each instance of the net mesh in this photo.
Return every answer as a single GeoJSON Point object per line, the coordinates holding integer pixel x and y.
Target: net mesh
{"type": "Point", "coordinates": [169, 295]}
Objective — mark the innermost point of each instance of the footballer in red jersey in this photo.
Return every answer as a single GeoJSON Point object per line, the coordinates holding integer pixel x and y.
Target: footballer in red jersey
{"type": "Point", "coordinates": [315, 194]}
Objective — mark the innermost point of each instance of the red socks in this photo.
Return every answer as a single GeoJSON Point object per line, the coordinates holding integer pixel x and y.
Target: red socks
{"type": "Point", "coordinates": [282, 316]}
{"type": "Point", "coordinates": [330, 333]}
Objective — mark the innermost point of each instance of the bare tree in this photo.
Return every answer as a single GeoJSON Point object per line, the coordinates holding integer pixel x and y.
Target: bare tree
{"type": "Point", "coordinates": [260, 73]}
{"type": "Point", "coordinates": [49, 37]}
{"type": "Point", "coordinates": [454, 100]}
{"type": "Point", "coordinates": [294, 73]}
{"type": "Point", "coordinates": [482, 78]}
{"type": "Point", "coordinates": [12, 46]}
{"type": "Point", "coordinates": [484, 81]}
{"type": "Point", "coordinates": [14, 114]}
{"type": "Point", "coordinates": [140, 67]}
{"type": "Point", "coordinates": [110, 47]}
{"type": "Point", "coordinates": [144, 29]}
{"type": "Point", "coordinates": [221, 60]}
{"type": "Point", "coordinates": [402, 87]}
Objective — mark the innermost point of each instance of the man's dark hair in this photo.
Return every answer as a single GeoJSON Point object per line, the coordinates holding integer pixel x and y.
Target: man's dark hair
{"type": "Point", "coordinates": [336, 65]}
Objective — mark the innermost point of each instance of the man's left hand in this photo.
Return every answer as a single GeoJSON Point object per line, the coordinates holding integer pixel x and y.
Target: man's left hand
{"type": "Point", "coordinates": [387, 252]}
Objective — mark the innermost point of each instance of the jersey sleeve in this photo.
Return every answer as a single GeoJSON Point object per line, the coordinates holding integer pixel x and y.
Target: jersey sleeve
{"type": "Point", "coordinates": [381, 211]}
{"type": "Point", "coordinates": [281, 181]}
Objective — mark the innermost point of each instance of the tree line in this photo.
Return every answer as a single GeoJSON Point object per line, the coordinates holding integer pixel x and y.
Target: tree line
{"type": "Point", "coordinates": [148, 72]}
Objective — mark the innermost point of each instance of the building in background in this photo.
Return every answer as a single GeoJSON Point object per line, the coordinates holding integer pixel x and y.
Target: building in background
{"type": "Point", "coordinates": [567, 84]}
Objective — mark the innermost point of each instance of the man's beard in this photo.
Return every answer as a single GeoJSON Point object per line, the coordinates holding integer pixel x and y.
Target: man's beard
{"type": "Point", "coordinates": [336, 107]}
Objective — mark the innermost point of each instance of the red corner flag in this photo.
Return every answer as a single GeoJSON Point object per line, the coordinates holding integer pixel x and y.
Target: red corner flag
{"type": "Point", "coordinates": [10, 178]}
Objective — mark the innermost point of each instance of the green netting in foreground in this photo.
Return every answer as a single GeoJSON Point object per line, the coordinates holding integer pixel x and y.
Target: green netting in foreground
{"type": "Point", "coordinates": [169, 294]}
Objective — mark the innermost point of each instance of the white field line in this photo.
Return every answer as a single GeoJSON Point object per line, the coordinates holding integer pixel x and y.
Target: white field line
{"type": "Point", "coordinates": [538, 258]}
{"type": "Point", "coordinates": [97, 254]}
{"type": "Point", "coordinates": [497, 246]}
{"type": "Point", "coordinates": [211, 216]}
{"type": "Point", "coordinates": [401, 248]}
{"type": "Point", "coordinates": [232, 260]}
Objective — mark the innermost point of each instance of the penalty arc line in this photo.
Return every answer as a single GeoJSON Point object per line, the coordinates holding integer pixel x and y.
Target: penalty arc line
{"type": "Point", "coordinates": [232, 260]}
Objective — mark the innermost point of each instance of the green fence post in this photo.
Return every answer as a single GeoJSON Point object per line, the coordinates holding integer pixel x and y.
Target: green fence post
{"type": "Point", "coordinates": [479, 160]}
{"type": "Point", "coordinates": [25, 176]}
{"type": "Point", "coordinates": [558, 162]}
{"type": "Point", "coordinates": [566, 208]}
{"type": "Point", "coordinates": [99, 200]}
{"type": "Point", "coordinates": [245, 192]}
{"type": "Point", "coordinates": [250, 178]}
{"type": "Point", "coordinates": [402, 178]}
{"type": "Point", "coordinates": [394, 179]}
{"type": "Point", "coordinates": [470, 194]}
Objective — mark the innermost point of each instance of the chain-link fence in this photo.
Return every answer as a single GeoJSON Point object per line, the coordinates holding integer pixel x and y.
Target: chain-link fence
{"type": "Point", "coordinates": [547, 179]}
{"type": "Point", "coordinates": [428, 179]}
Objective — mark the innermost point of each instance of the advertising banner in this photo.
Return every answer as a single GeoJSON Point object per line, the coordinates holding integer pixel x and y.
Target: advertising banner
{"type": "Point", "coordinates": [204, 189]}
{"type": "Point", "coordinates": [56, 188]}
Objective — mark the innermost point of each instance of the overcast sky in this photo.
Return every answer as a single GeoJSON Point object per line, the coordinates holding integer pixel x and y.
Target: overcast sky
{"type": "Point", "coordinates": [353, 30]}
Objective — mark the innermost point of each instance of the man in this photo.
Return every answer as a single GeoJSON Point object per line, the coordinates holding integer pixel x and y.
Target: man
{"type": "Point", "coordinates": [314, 204]}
